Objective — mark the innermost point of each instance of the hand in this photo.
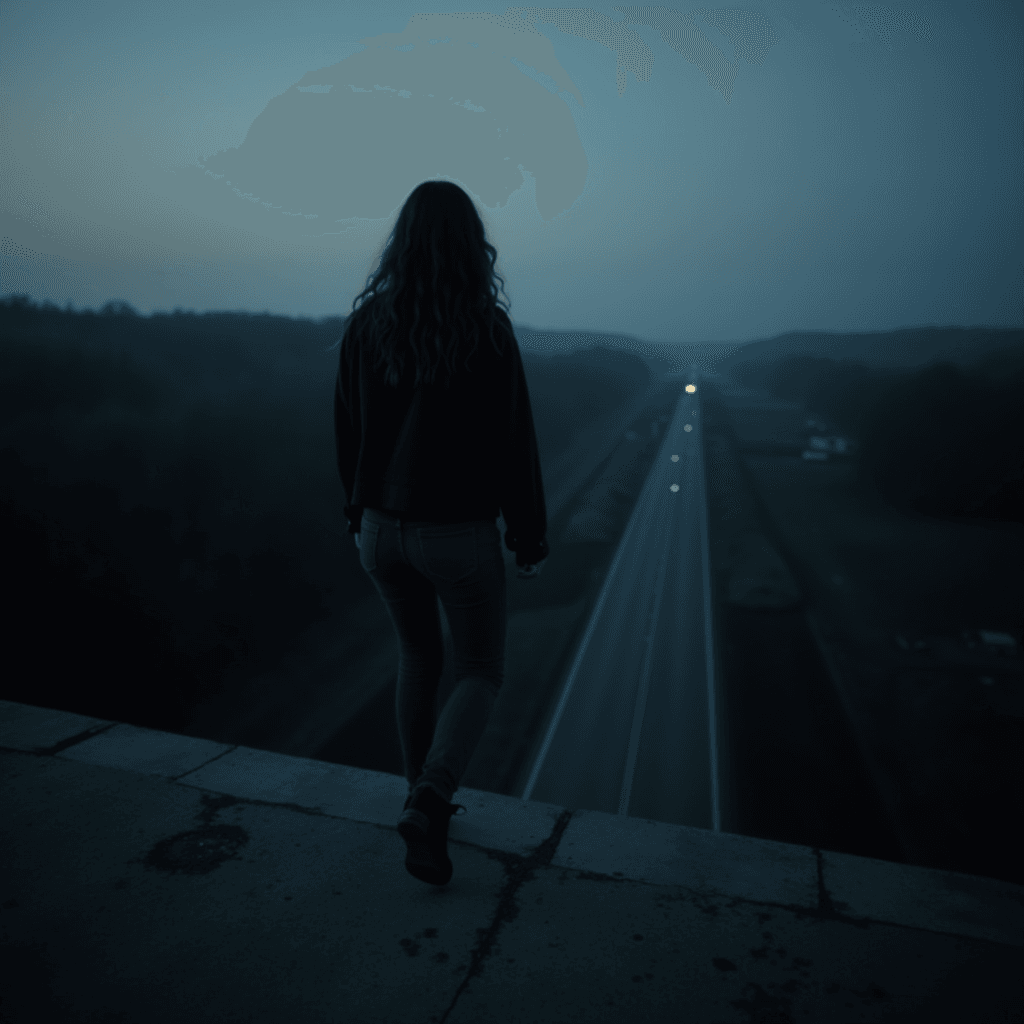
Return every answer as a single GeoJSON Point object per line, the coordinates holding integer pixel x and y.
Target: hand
{"type": "Point", "coordinates": [357, 539]}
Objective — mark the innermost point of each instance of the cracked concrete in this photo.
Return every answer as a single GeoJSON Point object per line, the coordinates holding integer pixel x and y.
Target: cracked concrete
{"type": "Point", "coordinates": [147, 876]}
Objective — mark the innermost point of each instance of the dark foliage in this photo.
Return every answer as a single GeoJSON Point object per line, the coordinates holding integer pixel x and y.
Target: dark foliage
{"type": "Point", "coordinates": [942, 440]}
{"type": "Point", "coordinates": [169, 491]}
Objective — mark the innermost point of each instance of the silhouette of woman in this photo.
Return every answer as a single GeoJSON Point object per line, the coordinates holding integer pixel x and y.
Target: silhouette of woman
{"type": "Point", "coordinates": [426, 469]}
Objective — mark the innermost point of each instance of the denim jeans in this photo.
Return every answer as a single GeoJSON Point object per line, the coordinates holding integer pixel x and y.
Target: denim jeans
{"type": "Point", "coordinates": [413, 565]}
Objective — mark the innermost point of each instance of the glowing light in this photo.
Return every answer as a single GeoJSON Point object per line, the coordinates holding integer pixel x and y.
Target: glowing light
{"type": "Point", "coordinates": [675, 458]}
{"type": "Point", "coordinates": [690, 388]}
{"type": "Point", "coordinates": [674, 488]}
{"type": "Point", "coordinates": [687, 428]}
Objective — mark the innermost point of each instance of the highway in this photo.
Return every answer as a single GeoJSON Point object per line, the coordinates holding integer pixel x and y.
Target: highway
{"type": "Point", "coordinates": [634, 729]}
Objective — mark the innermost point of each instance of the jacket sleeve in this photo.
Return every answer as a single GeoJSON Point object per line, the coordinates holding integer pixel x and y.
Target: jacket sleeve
{"type": "Point", "coordinates": [522, 486]}
{"type": "Point", "coordinates": [347, 426]}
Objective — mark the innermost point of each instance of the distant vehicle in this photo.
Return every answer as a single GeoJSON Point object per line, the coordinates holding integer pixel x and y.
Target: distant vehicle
{"type": "Point", "coordinates": [820, 448]}
{"type": "Point", "coordinates": [997, 640]}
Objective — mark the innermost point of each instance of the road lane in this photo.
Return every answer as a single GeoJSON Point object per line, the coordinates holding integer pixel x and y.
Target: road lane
{"type": "Point", "coordinates": [634, 729]}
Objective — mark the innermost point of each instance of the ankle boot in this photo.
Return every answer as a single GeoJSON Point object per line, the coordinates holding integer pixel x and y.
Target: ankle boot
{"type": "Point", "coordinates": [424, 827]}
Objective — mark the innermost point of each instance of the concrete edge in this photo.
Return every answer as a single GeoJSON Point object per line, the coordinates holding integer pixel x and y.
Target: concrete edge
{"type": "Point", "coordinates": [819, 883]}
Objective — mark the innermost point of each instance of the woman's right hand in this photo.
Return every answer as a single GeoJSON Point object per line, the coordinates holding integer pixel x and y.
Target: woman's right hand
{"type": "Point", "coordinates": [528, 572]}
{"type": "Point", "coordinates": [537, 551]}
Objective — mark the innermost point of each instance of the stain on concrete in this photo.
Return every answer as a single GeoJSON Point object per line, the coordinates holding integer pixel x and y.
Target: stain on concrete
{"type": "Point", "coordinates": [198, 851]}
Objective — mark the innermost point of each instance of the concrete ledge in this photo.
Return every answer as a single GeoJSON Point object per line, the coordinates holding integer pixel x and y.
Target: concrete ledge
{"type": "Point", "coordinates": [938, 901]}
{"type": "Point", "coordinates": [24, 727]}
{"type": "Point", "coordinates": [830, 884]}
{"type": "Point", "coordinates": [492, 821]}
{"type": "Point", "coordinates": [147, 751]}
{"type": "Point", "coordinates": [712, 862]}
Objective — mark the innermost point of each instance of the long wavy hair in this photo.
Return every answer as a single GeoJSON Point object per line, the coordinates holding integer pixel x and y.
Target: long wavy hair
{"type": "Point", "coordinates": [434, 290]}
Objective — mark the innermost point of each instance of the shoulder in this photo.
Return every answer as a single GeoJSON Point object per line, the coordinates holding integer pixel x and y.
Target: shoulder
{"type": "Point", "coordinates": [354, 328]}
{"type": "Point", "coordinates": [502, 320]}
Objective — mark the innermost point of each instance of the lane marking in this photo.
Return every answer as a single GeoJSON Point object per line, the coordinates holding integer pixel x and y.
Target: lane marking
{"type": "Point", "coordinates": [709, 641]}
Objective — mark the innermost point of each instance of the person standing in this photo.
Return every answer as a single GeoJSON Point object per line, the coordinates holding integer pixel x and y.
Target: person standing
{"type": "Point", "coordinates": [427, 465]}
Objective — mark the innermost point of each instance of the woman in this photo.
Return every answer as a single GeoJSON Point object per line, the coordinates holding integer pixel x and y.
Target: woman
{"type": "Point", "coordinates": [426, 467]}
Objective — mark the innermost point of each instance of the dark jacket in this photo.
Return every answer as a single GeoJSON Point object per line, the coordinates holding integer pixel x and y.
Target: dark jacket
{"type": "Point", "coordinates": [442, 456]}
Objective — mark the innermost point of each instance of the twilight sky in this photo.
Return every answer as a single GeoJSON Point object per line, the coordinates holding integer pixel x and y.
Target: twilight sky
{"type": "Point", "coordinates": [676, 173]}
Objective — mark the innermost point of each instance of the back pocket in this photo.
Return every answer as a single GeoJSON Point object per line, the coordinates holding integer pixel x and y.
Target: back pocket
{"type": "Point", "coordinates": [450, 556]}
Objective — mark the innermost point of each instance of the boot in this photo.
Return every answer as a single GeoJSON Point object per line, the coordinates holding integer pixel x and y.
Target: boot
{"type": "Point", "coordinates": [424, 827]}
